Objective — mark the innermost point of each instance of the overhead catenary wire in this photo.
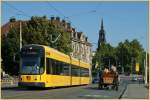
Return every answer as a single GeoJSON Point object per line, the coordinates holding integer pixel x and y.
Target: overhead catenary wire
{"type": "Point", "coordinates": [59, 12]}
{"type": "Point", "coordinates": [20, 11]}
{"type": "Point", "coordinates": [79, 14]}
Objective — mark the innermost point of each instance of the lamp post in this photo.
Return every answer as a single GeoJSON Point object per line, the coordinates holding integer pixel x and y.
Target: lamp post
{"type": "Point", "coordinates": [132, 60]}
{"type": "Point", "coordinates": [122, 67]}
{"type": "Point", "coordinates": [145, 63]}
{"type": "Point", "coordinates": [20, 31]}
{"type": "Point", "coordinates": [20, 34]}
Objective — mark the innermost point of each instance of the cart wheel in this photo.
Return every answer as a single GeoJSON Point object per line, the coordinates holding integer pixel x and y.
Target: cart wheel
{"type": "Point", "coordinates": [107, 87]}
{"type": "Point", "coordinates": [112, 87]}
{"type": "Point", "coordinates": [99, 86]}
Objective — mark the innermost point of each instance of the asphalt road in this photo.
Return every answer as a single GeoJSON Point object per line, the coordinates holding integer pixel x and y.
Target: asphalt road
{"type": "Point", "coordinates": [79, 92]}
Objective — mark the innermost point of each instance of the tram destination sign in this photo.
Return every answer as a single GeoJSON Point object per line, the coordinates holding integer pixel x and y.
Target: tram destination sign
{"type": "Point", "coordinates": [33, 52]}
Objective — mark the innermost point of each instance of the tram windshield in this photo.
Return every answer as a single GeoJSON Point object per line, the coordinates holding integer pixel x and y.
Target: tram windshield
{"type": "Point", "coordinates": [32, 65]}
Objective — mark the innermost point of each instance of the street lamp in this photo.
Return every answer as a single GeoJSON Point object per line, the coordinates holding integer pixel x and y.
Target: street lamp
{"type": "Point", "coordinates": [20, 34]}
{"type": "Point", "coordinates": [20, 31]}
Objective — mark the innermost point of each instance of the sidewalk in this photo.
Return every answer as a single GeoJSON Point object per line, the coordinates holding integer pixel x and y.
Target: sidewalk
{"type": "Point", "coordinates": [136, 91]}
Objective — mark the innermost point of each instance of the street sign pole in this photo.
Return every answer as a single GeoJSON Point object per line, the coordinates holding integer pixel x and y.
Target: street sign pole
{"type": "Point", "coordinates": [146, 69]}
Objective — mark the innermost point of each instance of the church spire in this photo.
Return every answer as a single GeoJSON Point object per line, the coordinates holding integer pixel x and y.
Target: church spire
{"type": "Point", "coordinates": [102, 38]}
{"type": "Point", "coordinates": [102, 27]}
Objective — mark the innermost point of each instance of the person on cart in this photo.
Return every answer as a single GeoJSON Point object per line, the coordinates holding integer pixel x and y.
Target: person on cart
{"type": "Point", "coordinates": [108, 77]}
{"type": "Point", "coordinates": [116, 76]}
{"type": "Point", "coordinates": [114, 70]}
{"type": "Point", "coordinates": [101, 73]}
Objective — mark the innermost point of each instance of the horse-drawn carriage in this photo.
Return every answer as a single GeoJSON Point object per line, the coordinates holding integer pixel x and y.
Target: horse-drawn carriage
{"type": "Point", "coordinates": [109, 77]}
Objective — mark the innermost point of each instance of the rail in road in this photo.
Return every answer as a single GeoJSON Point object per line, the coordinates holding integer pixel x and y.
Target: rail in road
{"type": "Point", "coordinates": [77, 92]}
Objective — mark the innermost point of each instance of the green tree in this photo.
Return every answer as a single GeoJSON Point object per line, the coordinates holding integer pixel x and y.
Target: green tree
{"type": "Point", "coordinates": [10, 48]}
{"type": "Point", "coordinates": [138, 54]}
{"type": "Point", "coordinates": [126, 54]}
{"type": "Point", "coordinates": [103, 55]}
{"type": "Point", "coordinates": [38, 30]}
{"type": "Point", "coordinates": [129, 53]}
{"type": "Point", "coordinates": [123, 54]}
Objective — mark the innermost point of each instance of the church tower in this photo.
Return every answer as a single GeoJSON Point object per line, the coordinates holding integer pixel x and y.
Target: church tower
{"type": "Point", "coordinates": [102, 38]}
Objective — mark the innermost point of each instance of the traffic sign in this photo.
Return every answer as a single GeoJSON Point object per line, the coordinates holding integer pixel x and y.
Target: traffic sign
{"type": "Point", "coordinates": [137, 67]}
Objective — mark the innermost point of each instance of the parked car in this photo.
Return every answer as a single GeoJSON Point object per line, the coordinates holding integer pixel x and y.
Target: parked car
{"type": "Point", "coordinates": [95, 80]}
{"type": "Point", "coordinates": [134, 77]}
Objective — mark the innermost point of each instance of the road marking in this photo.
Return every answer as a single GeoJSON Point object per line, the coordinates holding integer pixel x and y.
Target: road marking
{"type": "Point", "coordinates": [123, 91]}
{"type": "Point", "coordinates": [94, 96]}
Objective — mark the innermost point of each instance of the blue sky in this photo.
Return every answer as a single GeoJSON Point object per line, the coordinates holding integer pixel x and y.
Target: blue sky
{"type": "Point", "coordinates": [122, 20]}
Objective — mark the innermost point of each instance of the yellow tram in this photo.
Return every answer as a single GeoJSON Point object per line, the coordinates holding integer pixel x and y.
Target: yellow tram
{"type": "Point", "coordinates": [42, 66]}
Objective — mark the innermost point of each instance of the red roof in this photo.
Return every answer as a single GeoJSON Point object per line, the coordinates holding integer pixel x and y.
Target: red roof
{"type": "Point", "coordinates": [6, 27]}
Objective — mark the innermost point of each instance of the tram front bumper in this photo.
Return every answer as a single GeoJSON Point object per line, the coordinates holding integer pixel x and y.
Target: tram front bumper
{"type": "Point", "coordinates": [32, 84]}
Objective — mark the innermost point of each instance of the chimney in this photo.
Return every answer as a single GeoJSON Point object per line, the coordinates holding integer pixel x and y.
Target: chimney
{"type": "Point", "coordinates": [73, 29]}
{"type": "Point", "coordinates": [52, 18]}
{"type": "Point", "coordinates": [58, 19]}
{"type": "Point", "coordinates": [68, 25]}
{"type": "Point", "coordinates": [86, 39]}
{"type": "Point", "coordinates": [74, 35]}
{"type": "Point", "coordinates": [64, 23]}
{"type": "Point", "coordinates": [12, 19]}
{"type": "Point", "coordinates": [80, 35]}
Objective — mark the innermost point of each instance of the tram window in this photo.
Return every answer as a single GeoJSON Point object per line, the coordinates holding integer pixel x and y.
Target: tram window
{"type": "Point", "coordinates": [48, 65]}
{"type": "Point", "coordinates": [75, 71]}
{"type": "Point", "coordinates": [57, 67]}
{"type": "Point", "coordinates": [54, 67]}
{"type": "Point", "coordinates": [65, 69]}
{"type": "Point", "coordinates": [42, 63]}
{"type": "Point", "coordinates": [78, 71]}
{"type": "Point", "coordinates": [84, 72]}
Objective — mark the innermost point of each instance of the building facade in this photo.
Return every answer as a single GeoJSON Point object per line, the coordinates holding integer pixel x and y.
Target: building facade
{"type": "Point", "coordinates": [81, 48]}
